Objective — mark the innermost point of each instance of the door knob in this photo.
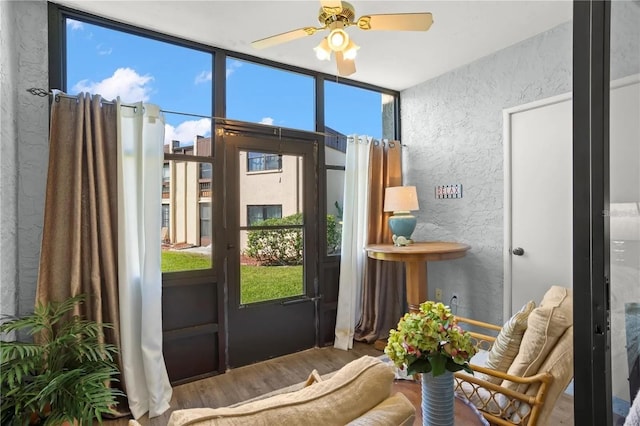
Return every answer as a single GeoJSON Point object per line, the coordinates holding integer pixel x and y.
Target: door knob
{"type": "Point", "coordinates": [518, 251]}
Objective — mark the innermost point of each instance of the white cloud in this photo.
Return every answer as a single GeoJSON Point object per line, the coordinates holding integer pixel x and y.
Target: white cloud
{"type": "Point", "coordinates": [125, 82]}
{"type": "Point", "coordinates": [103, 50]}
{"type": "Point", "coordinates": [186, 131]}
{"type": "Point", "coordinates": [75, 25]}
{"type": "Point", "coordinates": [232, 67]}
{"type": "Point", "coordinates": [203, 77]}
{"type": "Point", "coordinates": [267, 120]}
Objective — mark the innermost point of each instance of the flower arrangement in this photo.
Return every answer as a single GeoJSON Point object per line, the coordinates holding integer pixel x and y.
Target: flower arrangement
{"type": "Point", "coordinates": [430, 341]}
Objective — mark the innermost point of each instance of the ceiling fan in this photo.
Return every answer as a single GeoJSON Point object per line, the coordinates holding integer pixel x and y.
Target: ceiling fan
{"type": "Point", "coordinates": [336, 16]}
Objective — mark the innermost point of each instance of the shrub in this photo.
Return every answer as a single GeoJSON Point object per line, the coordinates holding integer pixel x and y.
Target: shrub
{"type": "Point", "coordinates": [284, 246]}
{"type": "Point", "coordinates": [277, 246]}
{"type": "Point", "coordinates": [334, 234]}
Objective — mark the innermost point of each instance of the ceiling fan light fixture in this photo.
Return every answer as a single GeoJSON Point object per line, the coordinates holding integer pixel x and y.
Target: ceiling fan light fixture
{"type": "Point", "coordinates": [323, 52]}
{"type": "Point", "coordinates": [336, 16]}
{"type": "Point", "coordinates": [338, 39]}
{"type": "Point", "coordinates": [351, 50]}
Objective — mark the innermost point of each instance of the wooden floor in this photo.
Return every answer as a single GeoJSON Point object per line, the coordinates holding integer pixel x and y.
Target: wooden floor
{"type": "Point", "coordinates": [254, 380]}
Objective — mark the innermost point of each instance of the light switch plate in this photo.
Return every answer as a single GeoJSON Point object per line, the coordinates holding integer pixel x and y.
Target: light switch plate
{"type": "Point", "coordinates": [449, 191]}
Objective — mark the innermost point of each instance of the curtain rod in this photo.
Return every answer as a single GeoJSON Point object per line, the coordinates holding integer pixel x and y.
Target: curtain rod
{"type": "Point", "coordinates": [36, 91]}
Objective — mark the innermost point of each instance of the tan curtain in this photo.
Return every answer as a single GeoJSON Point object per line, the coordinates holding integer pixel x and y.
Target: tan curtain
{"type": "Point", "coordinates": [383, 287]}
{"type": "Point", "coordinates": [79, 240]}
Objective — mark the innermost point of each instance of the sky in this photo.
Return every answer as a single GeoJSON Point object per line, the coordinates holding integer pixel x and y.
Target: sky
{"type": "Point", "coordinates": [113, 63]}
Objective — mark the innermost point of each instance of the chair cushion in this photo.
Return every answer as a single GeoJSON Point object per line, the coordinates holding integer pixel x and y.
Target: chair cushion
{"type": "Point", "coordinates": [395, 410]}
{"type": "Point", "coordinates": [546, 324]}
{"type": "Point", "coordinates": [560, 364]}
{"type": "Point", "coordinates": [351, 392]}
{"type": "Point", "coordinates": [507, 343]}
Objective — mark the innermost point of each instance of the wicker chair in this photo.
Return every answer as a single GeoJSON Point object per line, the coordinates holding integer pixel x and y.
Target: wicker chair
{"type": "Point", "coordinates": [509, 399]}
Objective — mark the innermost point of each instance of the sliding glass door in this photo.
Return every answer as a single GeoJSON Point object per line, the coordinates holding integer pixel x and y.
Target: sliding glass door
{"type": "Point", "coordinates": [606, 192]}
{"type": "Point", "coordinates": [624, 205]}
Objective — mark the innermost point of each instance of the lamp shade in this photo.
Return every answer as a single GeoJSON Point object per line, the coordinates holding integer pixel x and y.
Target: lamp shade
{"type": "Point", "coordinates": [351, 50]}
{"type": "Point", "coordinates": [400, 199]}
{"type": "Point", "coordinates": [323, 52]}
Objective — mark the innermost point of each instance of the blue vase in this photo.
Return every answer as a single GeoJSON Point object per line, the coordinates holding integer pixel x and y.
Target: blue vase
{"type": "Point", "coordinates": [437, 399]}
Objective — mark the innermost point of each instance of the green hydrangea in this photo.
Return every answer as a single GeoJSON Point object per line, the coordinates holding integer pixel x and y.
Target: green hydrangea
{"type": "Point", "coordinates": [430, 340]}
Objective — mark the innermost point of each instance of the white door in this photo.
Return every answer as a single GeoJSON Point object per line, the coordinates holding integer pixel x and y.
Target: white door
{"type": "Point", "coordinates": [538, 208]}
{"type": "Point", "coordinates": [538, 193]}
{"type": "Point", "coordinates": [538, 200]}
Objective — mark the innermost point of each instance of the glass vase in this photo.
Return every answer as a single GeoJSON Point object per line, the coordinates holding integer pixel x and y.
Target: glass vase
{"type": "Point", "coordinates": [437, 399]}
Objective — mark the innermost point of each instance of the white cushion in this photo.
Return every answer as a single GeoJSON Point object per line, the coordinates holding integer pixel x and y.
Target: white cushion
{"type": "Point", "coordinates": [507, 343]}
{"type": "Point", "coordinates": [545, 325]}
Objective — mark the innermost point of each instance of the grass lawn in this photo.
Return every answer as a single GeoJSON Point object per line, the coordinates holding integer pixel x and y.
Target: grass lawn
{"type": "Point", "coordinates": [173, 261]}
{"type": "Point", "coordinates": [258, 282]}
{"type": "Point", "coordinates": [269, 282]}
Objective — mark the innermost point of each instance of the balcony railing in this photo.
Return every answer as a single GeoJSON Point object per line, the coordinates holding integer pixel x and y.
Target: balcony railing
{"type": "Point", "coordinates": [205, 188]}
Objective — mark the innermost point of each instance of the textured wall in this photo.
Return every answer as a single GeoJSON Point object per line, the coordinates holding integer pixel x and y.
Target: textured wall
{"type": "Point", "coordinates": [625, 38]}
{"type": "Point", "coordinates": [24, 134]}
{"type": "Point", "coordinates": [452, 126]}
{"type": "Point", "coordinates": [8, 165]}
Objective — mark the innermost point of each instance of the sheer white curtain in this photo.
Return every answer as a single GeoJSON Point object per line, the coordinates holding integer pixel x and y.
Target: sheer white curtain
{"type": "Point", "coordinates": [140, 160]}
{"type": "Point", "coordinates": [354, 233]}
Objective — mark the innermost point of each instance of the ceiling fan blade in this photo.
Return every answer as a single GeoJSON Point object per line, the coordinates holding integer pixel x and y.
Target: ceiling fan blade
{"type": "Point", "coordinates": [331, 7]}
{"type": "Point", "coordinates": [396, 22]}
{"type": "Point", "coordinates": [284, 37]}
{"type": "Point", "coordinates": [345, 66]}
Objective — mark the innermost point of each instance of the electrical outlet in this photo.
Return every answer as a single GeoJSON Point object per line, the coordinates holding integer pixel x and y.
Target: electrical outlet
{"type": "Point", "coordinates": [438, 294]}
{"type": "Point", "coordinates": [455, 300]}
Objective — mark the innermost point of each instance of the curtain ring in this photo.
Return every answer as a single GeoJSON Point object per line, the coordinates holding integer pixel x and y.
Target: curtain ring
{"type": "Point", "coordinates": [392, 144]}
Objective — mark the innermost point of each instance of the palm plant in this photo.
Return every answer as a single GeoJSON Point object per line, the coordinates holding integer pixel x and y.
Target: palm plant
{"type": "Point", "coordinates": [64, 375]}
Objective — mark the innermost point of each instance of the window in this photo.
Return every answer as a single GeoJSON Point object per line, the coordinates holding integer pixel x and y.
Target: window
{"type": "Point", "coordinates": [205, 171]}
{"type": "Point", "coordinates": [115, 63]}
{"type": "Point", "coordinates": [178, 76]}
{"type": "Point", "coordinates": [368, 113]}
{"type": "Point", "coordinates": [205, 182]}
{"type": "Point", "coordinates": [166, 181]}
{"type": "Point", "coordinates": [188, 238]}
{"type": "Point", "coordinates": [262, 94]}
{"type": "Point", "coordinates": [205, 224]}
{"type": "Point", "coordinates": [256, 214]}
{"type": "Point", "coordinates": [165, 217]}
{"type": "Point", "coordinates": [260, 162]}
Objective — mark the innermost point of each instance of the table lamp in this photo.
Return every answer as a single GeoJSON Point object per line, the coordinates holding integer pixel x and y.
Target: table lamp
{"type": "Point", "coordinates": [401, 200]}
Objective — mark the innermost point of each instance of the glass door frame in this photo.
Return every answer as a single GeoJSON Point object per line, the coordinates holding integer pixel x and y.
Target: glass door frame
{"type": "Point", "coordinates": [591, 263]}
{"type": "Point", "coordinates": [305, 144]}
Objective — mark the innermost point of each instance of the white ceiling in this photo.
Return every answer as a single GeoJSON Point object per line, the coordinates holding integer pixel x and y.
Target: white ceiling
{"type": "Point", "coordinates": [463, 31]}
